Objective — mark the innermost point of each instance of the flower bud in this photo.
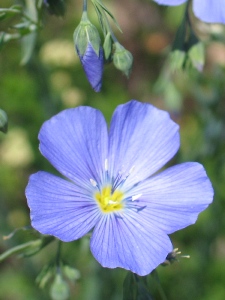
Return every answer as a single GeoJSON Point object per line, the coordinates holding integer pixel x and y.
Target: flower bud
{"type": "Point", "coordinates": [59, 289]}
{"type": "Point", "coordinates": [71, 273]}
{"type": "Point", "coordinates": [122, 59]}
{"type": "Point", "coordinates": [88, 46]}
{"type": "Point", "coordinates": [197, 56]}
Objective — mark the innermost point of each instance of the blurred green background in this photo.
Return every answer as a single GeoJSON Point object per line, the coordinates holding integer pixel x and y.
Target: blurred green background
{"type": "Point", "coordinates": [54, 80]}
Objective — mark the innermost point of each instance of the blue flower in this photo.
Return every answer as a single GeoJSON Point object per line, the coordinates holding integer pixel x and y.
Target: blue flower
{"type": "Point", "coordinates": [211, 11]}
{"type": "Point", "coordinates": [93, 66]}
{"type": "Point", "coordinates": [114, 187]}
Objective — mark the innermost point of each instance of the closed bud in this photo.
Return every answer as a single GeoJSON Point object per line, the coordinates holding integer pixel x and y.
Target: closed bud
{"type": "Point", "coordinates": [177, 59]}
{"type": "Point", "coordinates": [59, 289]}
{"type": "Point", "coordinates": [197, 56]}
{"type": "Point", "coordinates": [88, 46]}
{"type": "Point", "coordinates": [71, 273]}
{"type": "Point", "coordinates": [122, 59]}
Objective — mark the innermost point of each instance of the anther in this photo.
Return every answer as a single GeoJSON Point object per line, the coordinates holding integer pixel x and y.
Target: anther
{"type": "Point", "coordinates": [106, 164]}
{"type": "Point", "coordinates": [133, 198]}
{"type": "Point", "coordinates": [93, 182]}
{"type": "Point", "coordinates": [131, 170]}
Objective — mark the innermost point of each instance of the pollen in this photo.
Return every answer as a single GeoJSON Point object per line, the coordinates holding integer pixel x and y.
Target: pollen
{"type": "Point", "coordinates": [108, 201]}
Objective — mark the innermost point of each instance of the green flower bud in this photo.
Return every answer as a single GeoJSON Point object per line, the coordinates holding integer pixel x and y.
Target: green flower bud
{"type": "Point", "coordinates": [122, 59]}
{"type": "Point", "coordinates": [59, 289]}
{"type": "Point", "coordinates": [3, 121]}
{"type": "Point", "coordinates": [71, 273]}
{"type": "Point", "coordinates": [197, 56]}
{"type": "Point", "coordinates": [86, 33]}
{"type": "Point", "coordinates": [177, 60]}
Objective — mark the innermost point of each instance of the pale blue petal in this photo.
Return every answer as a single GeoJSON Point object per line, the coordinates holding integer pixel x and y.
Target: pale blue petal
{"type": "Point", "coordinates": [93, 66]}
{"type": "Point", "coordinates": [170, 2]}
{"type": "Point", "coordinates": [142, 139]}
{"type": "Point", "coordinates": [129, 243]}
{"type": "Point", "coordinates": [174, 198]}
{"type": "Point", "coordinates": [211, 11]}
{"type": "Point", "coordinates": [75, 142]}
{"type": "Point", "coordinates": [59, 208]}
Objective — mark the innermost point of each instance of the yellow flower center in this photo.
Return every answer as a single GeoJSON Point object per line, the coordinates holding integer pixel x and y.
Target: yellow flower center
{"type": "Point", "coordinates": [108, 201]}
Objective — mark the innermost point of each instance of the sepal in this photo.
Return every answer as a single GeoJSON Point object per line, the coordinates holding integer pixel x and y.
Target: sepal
{"type": "Point", "coordinates": [86, 33]}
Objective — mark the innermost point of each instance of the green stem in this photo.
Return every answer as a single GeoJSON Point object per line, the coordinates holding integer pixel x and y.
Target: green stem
{"type": "Point", "coordinates": [16, 249]}
{"type": "Point", "coordinates": [58, 254]}
{"type": "Point", "coordinates": [32, 246]}
{"type": "Point", "coordinates": [159, 287]}
{"type": "Point", "coordinates": [109, 29]}
{"type": "Point", "coordinates": [84, 5]}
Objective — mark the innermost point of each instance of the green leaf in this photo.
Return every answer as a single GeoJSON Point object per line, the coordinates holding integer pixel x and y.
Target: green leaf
{"type": "Point", "coordinates": [27, 46]}
{"type": "Point", "coordinates": [10, 12]}
{"type": "Point", "coordinates": [107, 46]}
{"type": "Point", "coordinates": [100, 5]}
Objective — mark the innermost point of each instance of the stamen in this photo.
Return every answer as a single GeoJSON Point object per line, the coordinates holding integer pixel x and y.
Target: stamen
{"type": "Point", "coordinates": [106, 164]}
{"type": "Point", "coordinates": [119, 180]}
{"type": "Point", "coordinates": [93, 182]}
{"type": "Point", "coordinates": [131, 170]}
{"type": "Point", "coordinates": [133, 198]}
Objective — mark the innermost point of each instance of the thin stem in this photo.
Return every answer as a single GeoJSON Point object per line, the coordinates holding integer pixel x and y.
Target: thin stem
{"type": "Point", "coordinates": [15, 250]}
{"type": "Point", "coordinates": [84, 5]}
{"type": "Point", "coordinates": [159, 287]}
{"type": "Point", "coordinates": [109, 29]}
{"type": "Point", "coordinates": [58, 254]}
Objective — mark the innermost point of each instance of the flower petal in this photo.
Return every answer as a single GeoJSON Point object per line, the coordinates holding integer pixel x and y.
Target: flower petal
{"type": "Point", "coordinates": [170, 2]}
{"type": "Point", "coordinates": [75, 142]}
{"type": "Point", "coordinates": [129, 243]}
{"type": "Point", "coordinates": [93, 66]}
{"type": "Point", "coordinates": [175, 197]}
{"type": "Point", "coordinates": [60, 208]}
{"type": "Point", "coordinates": [210, 11]}
{"type": "Point", "coordinates": [142, 138]}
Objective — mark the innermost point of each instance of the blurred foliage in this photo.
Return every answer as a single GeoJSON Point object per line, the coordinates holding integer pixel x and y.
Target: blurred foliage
{"type": "Point", "coordinates": [53, 79]}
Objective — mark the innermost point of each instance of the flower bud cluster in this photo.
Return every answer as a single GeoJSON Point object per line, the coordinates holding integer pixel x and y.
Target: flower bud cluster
{"type": "Point", "coordinates": [92, 55]}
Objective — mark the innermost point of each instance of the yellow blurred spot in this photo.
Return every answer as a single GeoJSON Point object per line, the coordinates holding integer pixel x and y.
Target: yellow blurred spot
{"type": "Point", "coordinates": [17, 218]}
{"type": "Point", "coordinates": [15, 150]}
{"type": "Point", "coordinates": [60, 80]}
{"type": "Point", "coordinates": [59, 53]}
{"type": "Point", "coordinates": [72, 97]}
